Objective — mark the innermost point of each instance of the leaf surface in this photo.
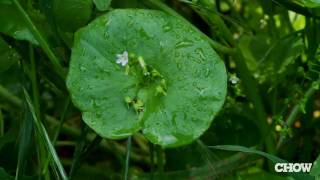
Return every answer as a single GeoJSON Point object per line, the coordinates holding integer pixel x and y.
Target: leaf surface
{"type": "Point", "coordinates": [195, 77]}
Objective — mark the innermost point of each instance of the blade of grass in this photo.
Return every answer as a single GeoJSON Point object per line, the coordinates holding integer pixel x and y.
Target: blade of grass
{"type": "Point", "coordinates": [43, 43]}
{"type": "Point", "coordinates": [41, 131]}
{"type": "Point", "coordinates": [272, 158]}
{"type": "Point", "coordinates": [127, 162]}
{"type": "Point", "coordinates": [35, 92]}
{"type": "Point", "coordinates": [55, 137]}
{"type": "Point", "coordinates": [25, 141]}
{"type": "Point", "coordinates": [222, 168]}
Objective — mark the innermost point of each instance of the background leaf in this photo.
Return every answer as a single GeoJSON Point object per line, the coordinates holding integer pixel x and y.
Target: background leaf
{"type": "Point", "coordinates": [72, 14]}
{"type": "Point", "coordinates": [8, 56]}
{"type": "Point", "coordinates": [309, 3]}
{"type": "Point", "coordinates": [102, 5]}
{"type": "Point", "coordinates": [12, 24]}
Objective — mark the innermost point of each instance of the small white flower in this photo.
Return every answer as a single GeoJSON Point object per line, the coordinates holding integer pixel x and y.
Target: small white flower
{"type": "Point", "coordinates": [123, 58]}
{"type": "Point", "coordinates": [234, 79]}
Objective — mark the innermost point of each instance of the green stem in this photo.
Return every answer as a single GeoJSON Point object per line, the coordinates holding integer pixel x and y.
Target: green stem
{"type": "Point", "coordinates": [55, 137]}
{"type": "Point", "coordinates": [34, 83]}
{"type": "Point", "coordinates": [36, 104]}
{"type": "Point", "coordinates": [160, 161]}
{"type": "Point", "coordinates": [43, 43]}
{"type": "Point", "coordinates": [215, 45]}
{"type": "Point", "coordinates": [151, 147]}
{"type": "Point", "coordinates": [127, 163]}
{"type": "Point", "coordinates": [253, 94]}
{"type": "Point", "coordinates": [297, 110]}
{"type": "Point", "coordinates": [42, 133]}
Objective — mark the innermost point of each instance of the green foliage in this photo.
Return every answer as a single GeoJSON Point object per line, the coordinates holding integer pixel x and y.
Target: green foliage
{"type": "Point", "coordinates": [171, 114]}
{"type": "Point", "coordinates": [155, 72]}
{"type": "Point", "coordinates": [102, 5]}
{"type": "Point", "coordinates": [8, 56]}
{"type": "Point", "coordinates": [309, 3]}
{"type": "Point", "coordinates": [12, 24]}
{"type": "Point", "coordinates": [71, 14]}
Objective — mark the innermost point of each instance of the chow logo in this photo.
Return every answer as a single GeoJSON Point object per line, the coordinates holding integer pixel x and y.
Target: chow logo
{"type": "Point", "coordinates": [292, 167]}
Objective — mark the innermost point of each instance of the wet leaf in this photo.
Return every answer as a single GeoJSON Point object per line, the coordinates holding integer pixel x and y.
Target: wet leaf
{"type": "Point", "coordinates": [172, 108]}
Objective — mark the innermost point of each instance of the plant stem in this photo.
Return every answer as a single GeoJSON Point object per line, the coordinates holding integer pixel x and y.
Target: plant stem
{"type": "Point", "coordinates": [160, 161]}
{"type": "Point", "coordinates": [43, 134]}
{"type": "Point", "coordinates": [34, 83]}
{"type": "Point", "coordinates": [297, 110]}
{"type": "Point", "coordinates": [251, 88]}
{"type": "Point", "coordinates": [55, 137]}
{"type": "Point", "coordinates": [43, 43]}
{"type": "Point", "coordinates": [127, 163]}
{"type": "Point", "coordinates": [151, 149]}
{"type": "Point", "coordinates": [36, 103]}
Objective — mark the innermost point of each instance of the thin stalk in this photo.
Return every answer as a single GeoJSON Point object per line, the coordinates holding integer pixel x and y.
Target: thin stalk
{"type": "Point", "coordinates": [36, 104]}
{"type": "Point", "coordinates": [35, 92]}
{"type": "Point", "coordinates": [160, 161]}
{"type": "Point", "coordinates": [56, 134]}
{"type": "Point", "coordinates": [43, 43]}
{"type": "Point", "coordinates": [215, 45]}
{"type": "Point", "coordinates": [127, 162]}
{"type": "Point", "coordinates": [40, 129]}
{"type": "Point", "coordinates": [151, 149]}
{"type": "Point", "coordinates": [296, 111]}
{"type": "Point", "coordinates": [253, 94]}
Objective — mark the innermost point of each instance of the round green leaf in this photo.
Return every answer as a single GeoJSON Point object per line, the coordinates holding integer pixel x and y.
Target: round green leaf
{"type": "Point", "coordinates": [192, 84]}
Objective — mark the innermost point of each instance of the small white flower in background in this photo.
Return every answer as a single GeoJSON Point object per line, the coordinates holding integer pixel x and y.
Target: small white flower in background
{"type": "Point", "coordinates": [236, 36]}
{"type": "Point", "coordinates": [264, 21]}
{"type": "Point", "coordinates": [123, 58]}
{"type": "Point", "coordinates": [234, 79]}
